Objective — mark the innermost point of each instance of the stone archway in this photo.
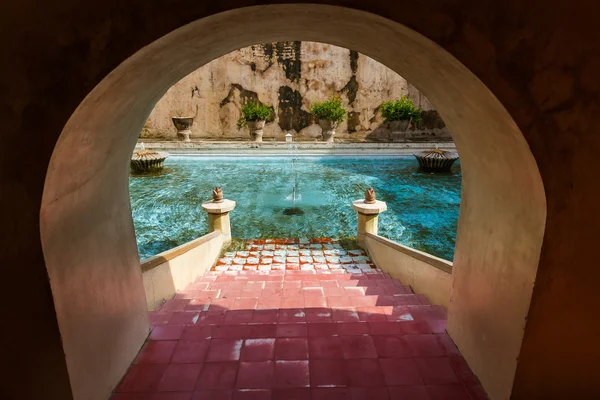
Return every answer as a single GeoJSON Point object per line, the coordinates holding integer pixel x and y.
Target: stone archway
{"type": "Point", "coordinates": [87, 232]}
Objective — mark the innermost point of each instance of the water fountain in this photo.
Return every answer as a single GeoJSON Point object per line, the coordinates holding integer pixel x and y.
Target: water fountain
{"type": "Point", "coordinates": [148, 161]}
{"type": "Point", "coordinates": [436, 160]}
{"type": "Point", "coordinates": [295, 195]}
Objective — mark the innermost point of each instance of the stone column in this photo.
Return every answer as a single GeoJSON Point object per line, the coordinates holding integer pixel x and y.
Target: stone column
{"type": "Point", "coordinates": [218, 217]}
{"type": "Point", "coordinates": [368, 215]}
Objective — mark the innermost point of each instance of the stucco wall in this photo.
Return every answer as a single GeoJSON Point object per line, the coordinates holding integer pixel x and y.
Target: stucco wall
{"type": "Point", "coordinates": [290, 76]}
{"type": "Point", "coordinates": [174, 269]}
{"type": "Point", "coordinates": [424, 273]}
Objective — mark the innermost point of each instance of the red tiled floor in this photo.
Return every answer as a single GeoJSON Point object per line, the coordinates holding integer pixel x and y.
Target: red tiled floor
{"type": "Point", "coordinates": [217, 376]}
{"type": "Point", "coordinates": [282, 332]}
{"type": "Point", "coordinates": [179, 378]}
{"type": "Point", "coordinates": [291, 373]}
{"type": "Point", "coordinates": [255, 375]}
{"type": "Point", "coordinates": [258, 349]}
{"type": "Point", "coordinates": [291, 348]}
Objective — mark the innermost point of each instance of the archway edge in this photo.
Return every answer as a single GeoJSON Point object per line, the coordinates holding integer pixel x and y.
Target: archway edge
{"type": "Point", "coordinates": [86, 225]}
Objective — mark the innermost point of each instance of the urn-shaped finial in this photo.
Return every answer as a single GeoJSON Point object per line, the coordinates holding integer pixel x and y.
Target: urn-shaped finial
{"type": "Point", "coordinates": [370, 196]}
{"type": "Point", "coordinates": [217, 195]}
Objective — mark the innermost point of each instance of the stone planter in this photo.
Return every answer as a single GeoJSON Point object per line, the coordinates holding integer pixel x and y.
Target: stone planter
{"type": "Point", "coordinates": [328, 127]}
{"type": "Point", "coordinates": [147, 161]}
{"type": "Point", "coordinates": [256, 130]}
{"type": "Point", "coordinates": [399, 126]}
{"type": "Point", "coordinates": [436, 160]}
{"type": "Point", "coordinates": [184, 127]}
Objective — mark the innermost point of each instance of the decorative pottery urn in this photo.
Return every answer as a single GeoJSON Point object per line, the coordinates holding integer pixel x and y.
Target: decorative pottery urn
{"type": "Point", "coordinates": [370, 196]}
{"type": "Point", "coordinates": [256, 130]}
{"type": "Point", "coordinates": [217, 195]}
{"type": "Point", "coordinates": [184, 127]}
{"type": "Point", "coordinates": [436, 160]}
{"type": "Point", "coordinates": [328, 127]}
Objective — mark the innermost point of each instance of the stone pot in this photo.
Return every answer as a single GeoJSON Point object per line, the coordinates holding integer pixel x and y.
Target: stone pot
{"type": "Point", "coordinates": [399, 126]}
{"type": "Point", "coordinates": [184, 127]}
{"type": "Point", "coordinates": [328, 127]}
{"type": "Point", "coordinates": [256, 130]}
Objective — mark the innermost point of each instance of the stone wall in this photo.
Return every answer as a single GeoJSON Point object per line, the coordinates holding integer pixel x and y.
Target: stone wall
{"type": "Point", "coordinates": [290, 76]}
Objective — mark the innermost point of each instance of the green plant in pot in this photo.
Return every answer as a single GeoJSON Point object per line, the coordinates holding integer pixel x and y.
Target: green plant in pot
{"type": "Point", "coordinates": [254, 116]}
{"type": "Point", "coordinates": [329, 114]}
{"type": "Point", "coordinates": [400, 113]}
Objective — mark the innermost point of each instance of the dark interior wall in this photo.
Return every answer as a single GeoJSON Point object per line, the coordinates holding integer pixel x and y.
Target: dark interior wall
{"type": "Point", "coordinates": [540, 58]}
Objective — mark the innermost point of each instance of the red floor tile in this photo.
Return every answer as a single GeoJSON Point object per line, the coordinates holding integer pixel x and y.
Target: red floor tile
{"type": "Point", "coordinates": [142, 378]}
{"type": "Point", "coordinates": [237, 331]}
{"type": "Point", "coordinates": [238, 316]}
{"type": "Point", "coordinates": [252, 394]}
{"type": "Point", "coordinates": [288, 374]}
{"type": "Point", "coordinates": [217, 376]}
{"type": "Point", "coordinates": [190, 351]}
{"type": "Point", "coordinates": [328, 373]}
{"type": "Point", "coordinates": [322, 329]}
{"type": "Point", "coordinates": [158, 352]}
{"type": "Point", "coordinates": [212, 395]}
{"type": "Point", "coordinates": [358, 347]}
{"type": "Point", "coordinates": [339, 301]}
{"type": "Point", "coordinates": [197, 332]}
{"type": "Point", "coordinates": [424, 345]}
{"type": "Point", "coordinates": [258, 349]}
{"type": "Point", "coordinates": [347, 314]}
{"type": "Point", "coordinates": [291, 394]}
{"type": "Point", "coordinates": [292, 315]}
{"type": "Point", "coordinates": [462, 369]}
{"type": "Point", "coordinates": [319, 315]}
{"type": "Point", "coordinates": [179, 378]}
{"type": "Point", "coordinates": [391, 347]}
{"type": "Point", "coordinates": [352, 328]}
{"type": "Point", "coordinates": [166, 333]}
{"type": "Point", "coordinates": [409, 392]}
{"type": "Point", "coordinates": [335, 393]}
{"type": "Point", "coordinates": [369, 393]}
{"type": "Point", "coordinates": [265, 316]}
{"type": "Point", "coordinates": [258, 331]}
{"type": "Point", "coordinates": [224, 350]}
{"type": "Point", "coordinates": [325, 347]}
{"type": "Point", "coordinates": [245, 303]}
{"type": "Point", "coordinates": [448, 392]}
{"type": "Point", "coordinates": [255, 375]}
{"type": "Point", "coordinates": [436, 371]}
{"type": "Point", "coordinates": [291, 330]}
{"type": "Point", "coordinates": [315, 302]}
{"type": "Point", "coordinates": [364, 372]}
{"type": "Point", "coordinates": [291, 349]}
{"type": "Point", "coordinates": [159, 318]}
{"type": "Point", "coordinates": [400, 371]}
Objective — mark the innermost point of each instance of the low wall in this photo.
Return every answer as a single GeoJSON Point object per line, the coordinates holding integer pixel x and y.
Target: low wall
{"type": "Point", "coordinates": [173, 270]}
{"type": "Point", "coordinates": [424, 273]}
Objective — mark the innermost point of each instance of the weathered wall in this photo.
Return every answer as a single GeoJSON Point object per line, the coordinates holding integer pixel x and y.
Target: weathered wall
{"type": "Point", "coordinates": [174, 269]}
{"type": "Point", "coordinates": [538, 59]}
{"type": "Point", "coordinates": [424, 273]}
{"type": "Point", "coordinates": [290, 76]}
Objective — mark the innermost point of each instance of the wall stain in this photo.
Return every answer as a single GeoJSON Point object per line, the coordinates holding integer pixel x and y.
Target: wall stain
{"type": "Point", "coordinates": [353, 121]}
{"type": "Point", "coordinates": [245, 95]}
{"type": "Point", "coordinates": [288, 56]}
{"type": "Point", "coordinates": [351, 88]}
{"type": "Point", "coordinates": [290, 113]}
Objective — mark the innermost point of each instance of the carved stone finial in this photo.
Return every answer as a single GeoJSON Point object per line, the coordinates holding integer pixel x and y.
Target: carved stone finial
{"type": "Point", "coordinates": [217, 195]}
{"type": "Point", "coordinates": [370, 196]}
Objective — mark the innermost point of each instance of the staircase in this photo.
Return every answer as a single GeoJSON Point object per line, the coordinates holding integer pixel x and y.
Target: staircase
{"type": "Point", "coordinates": [298, 319]}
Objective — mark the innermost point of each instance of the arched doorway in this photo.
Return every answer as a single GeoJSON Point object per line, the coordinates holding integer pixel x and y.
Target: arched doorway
{"type": "Point", "coordinates": [86, 227]}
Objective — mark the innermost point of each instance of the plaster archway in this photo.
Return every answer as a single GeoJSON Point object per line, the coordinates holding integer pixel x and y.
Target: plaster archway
{"type": "Point", "coordinates": [87, 231]}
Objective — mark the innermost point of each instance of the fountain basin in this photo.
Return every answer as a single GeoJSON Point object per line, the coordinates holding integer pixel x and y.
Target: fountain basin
{"type": "Point", "coordinates": [148, 161]}
{"type": "Point", "coordinates": [436, 160]}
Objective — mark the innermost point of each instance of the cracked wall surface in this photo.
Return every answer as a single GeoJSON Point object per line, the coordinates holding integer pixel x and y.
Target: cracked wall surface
{"type": "Point", "coordinates": [290, 76]}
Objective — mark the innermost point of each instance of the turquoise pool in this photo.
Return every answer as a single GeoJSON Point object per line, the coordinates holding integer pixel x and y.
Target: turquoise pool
{"type": "Point", "coordinates": [422, 208]}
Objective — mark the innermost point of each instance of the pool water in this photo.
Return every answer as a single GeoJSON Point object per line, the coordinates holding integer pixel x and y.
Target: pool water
{"type": "Point", "coordinates": [422, 207]}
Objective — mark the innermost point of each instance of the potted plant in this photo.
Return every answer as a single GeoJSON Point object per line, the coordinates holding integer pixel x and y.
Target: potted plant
{"type": "Point", "coordinates": [400, 113]}
{"type": "Point", "coordinates": [254, 116]}
{"type": "Point", "coordinates": [183, 124]}
{"type": "Point", "coordinates": [329, 114]}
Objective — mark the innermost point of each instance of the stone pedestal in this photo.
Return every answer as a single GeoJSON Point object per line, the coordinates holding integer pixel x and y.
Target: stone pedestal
{"type": "Point", "coordinates": [368, 215]}
{"type": "Point", "coordinates": [218, 217]}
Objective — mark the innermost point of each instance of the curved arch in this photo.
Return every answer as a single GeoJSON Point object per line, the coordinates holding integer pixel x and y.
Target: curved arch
{"type": "Point", "coordinates": [86, 226]}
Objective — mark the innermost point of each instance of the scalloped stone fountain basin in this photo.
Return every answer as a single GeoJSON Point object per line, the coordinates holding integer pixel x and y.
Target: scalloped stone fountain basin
{"type": "Point", "coordinates": [436, 160]}
{"type": "Point", "coordinates": [148, 161]}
